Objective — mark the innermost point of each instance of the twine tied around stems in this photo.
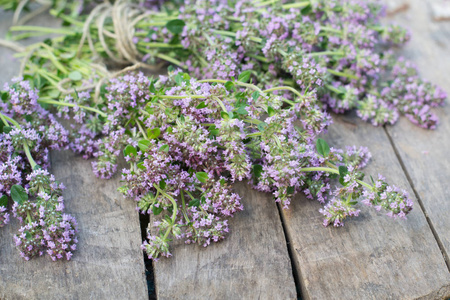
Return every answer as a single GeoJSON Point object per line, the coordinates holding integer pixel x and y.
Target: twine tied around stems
{"type": "Point", "coordinates": [124, 16]}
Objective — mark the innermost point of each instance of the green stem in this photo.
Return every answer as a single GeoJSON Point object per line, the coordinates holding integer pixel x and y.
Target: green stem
{"type": "Point", "coordinates": [342, 74]}
{"type": "Point", "coordinates": [364, 184]}
{"type": "Point", "coordinates": [284, 88]}
{"type": "Point", "coordinates": [59, 103]}
{"type": "Point", "coordinates": [179, 97]}
{"type": "Point", "coordinates": [141, 129]}
{"type": "Point", "coordinates": [12, 121]}
{"type": "Point", "coordinates": [44, 29]}
{"type": "Point", "coordinates": [333, 89]}
{"type": "Point", "coordinates": [26, 149]}
{"type": "Point", "coordinates": [221, 104]}
{"type": "Point", "coordinates": [329, 29]}
{"type": "Point", "coordinates": [339, 53]}
{"type": "Point", "coordinates": [170, 59]}
{"type": "Point", "coordinates": [233, 34]}
{"type": "Point", "coordinates": [259, 57]}
{"type": "Point", "coordinates": [254, 134]}
{"type": "Point", "coordinates": [66, 18]}
{"type": "Point", "coordinates": [29, 218]}
{"type": "Point", "coordinates": [174, 203]}
{"type": "Point", "coordinates": [266, 3]}
{"type": "Point", "coordinates": [319, 169]}
{"type": "Point", "coordinates": [160, 45]}
{"type": "Point", "coordinates": [184, 207]}
{"type": "Point", "coordinates": [4, 120]}
{"type": "Point", "coordinates": [282, 52]}
{"type": "Point", "coordinates": [296, 5]}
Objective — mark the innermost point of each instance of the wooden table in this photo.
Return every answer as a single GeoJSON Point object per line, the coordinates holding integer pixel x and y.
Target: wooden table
{"type": "Point", "coordinates": [270, 253]}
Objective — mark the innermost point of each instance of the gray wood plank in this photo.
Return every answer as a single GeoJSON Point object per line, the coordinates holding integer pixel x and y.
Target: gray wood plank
{"type": "Point", "coordinates": [251, 263]}
{"type": "Point", "coordinates": [425, 153]}
{"type": "Point", "coordinates": [108, 263]}
{"type": "Point", "coordinates": [372, 256]}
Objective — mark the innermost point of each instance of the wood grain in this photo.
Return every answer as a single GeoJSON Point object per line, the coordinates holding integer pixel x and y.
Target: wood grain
{"type": "Point", "coordinates": [372, 256]}
{"type": "Point", "coordinates": [108, 263]}
{"type": "Point", "coordinates": [424, 153]}
{"type": "Point", "coordinates": [251, 263]}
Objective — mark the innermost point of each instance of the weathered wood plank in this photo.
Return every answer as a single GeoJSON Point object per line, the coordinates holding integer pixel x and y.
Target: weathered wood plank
{"type": "Point", "coordinates": [373, 256]}
{"type": "Point", "coordinates": [108, 263]}
{"type": "Point", "coordinates": [251, 263]}
{"type": "Point", "coordinates": [425, 153]}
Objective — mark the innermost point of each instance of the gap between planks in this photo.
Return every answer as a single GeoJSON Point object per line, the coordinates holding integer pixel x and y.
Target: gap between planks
{"type": "Point", "coordinates": [419, 200]}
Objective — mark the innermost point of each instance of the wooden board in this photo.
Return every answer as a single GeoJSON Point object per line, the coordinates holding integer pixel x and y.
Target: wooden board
{"type": "Point", "coordinates": [424, 153]}
{"type": "Point", "coordinates": [251, 263]}
{"type": "Point", "coordinates": [372, 256]}
{"type": "Point", "coordinates": [108, 263]}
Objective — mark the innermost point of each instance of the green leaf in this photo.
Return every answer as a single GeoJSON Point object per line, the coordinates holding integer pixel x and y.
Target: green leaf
{"type": "Point", "coordinates": [4, 200]}
{"type": "Point", "coordinates": [186, 77]}
{"type": "Point", "coordinates": [262, 126]}
{"type": "Point", "coordinates": [152, 88]}
{"type": "Point", "coordinates": [353, 203]}
{"type": "Point", "coordinates": [143, 145]}
{"type": "Point", "coordinates": [164, 148]}
{"type": "Point", "coordinates": [18, 194]}
{"type": "Point", "coordinates": [242, 111]}
{"type": "Point", "coordinates": [322, 147]}
{"type": "Point", "coordinates": [222, 182]}
{"type": "Point", "coordinates": [213, 130]}
{"type": "Point", "coordinates": [175, 26]}
{"type": "Point", "coordinates": [129, 150]}
{"type": "Point", "coordinates": [257, 170]}
{"type": "Point", "coordinates": [343, 171]}
{"type": "Point", "coordinates": [201, 105]}
{"type": "Point", "coordinates": [5, 96]}
{"type": "Point", "coordinates": [229, 85]}
{"type": "Point", "coordinates": [141, 165]}
{"type": "Point", "coordinates": [202, 176]}
{"type": "Point", "coordinates": [306, 10]}
{"type": "Point", "coordinates": [7, 129]}
{"type": "Point", "coordinates": [224, 115]}
{"type": "Point", "coordinates": [75, 76]}
{"type": "Point", "coordinates": [244, 76]}
{"type": "Point", "coordinates": [157, 210]}
{"type": "Point", "coordinates": [194, 202]}
{"type": "Point", "coordinates": [255, 95]}
{"type": "Point", "coordinates": [178, 79]}
{"type": "Point", "coordinates": [162, 184]}
{"type": "Point", "coordinates": [290, 190]}
{"type": "Point", "coordinates": [271, 111]}
{"type": "Point", "coordinates": [153, 133]}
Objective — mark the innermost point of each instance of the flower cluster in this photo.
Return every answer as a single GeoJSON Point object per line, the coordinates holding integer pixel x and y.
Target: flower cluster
{"type": "Point", "coordinates": [45, 226]}
{"type": "Point", "coordinates": [27, 133]}
{"type": "Point", "coordinates": [187, 140]}
{"type": "Point", "coordinates": [251, 114]}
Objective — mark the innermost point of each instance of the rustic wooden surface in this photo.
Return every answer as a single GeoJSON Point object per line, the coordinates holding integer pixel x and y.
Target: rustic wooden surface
{"type": "Point", "coordinates": [372, 256]}
{"type": "Point", "coordinates": [424, 153]}
{"type": "Point", "coordinates": [251, 263]}
{"type": "Point", "coordinates": [108, 263]}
